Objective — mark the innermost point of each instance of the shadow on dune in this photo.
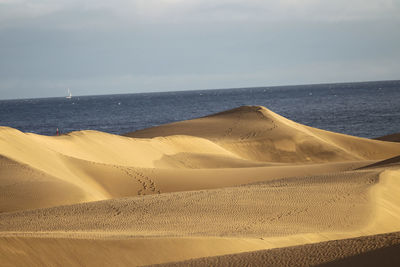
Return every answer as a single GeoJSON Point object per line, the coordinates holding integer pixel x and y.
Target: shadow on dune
{"type": "Point", "coordinates": [375, 250]}
{"type": "Point", "coordinates": [395, 161]}
{"type": "Point", "coordinates": [388, 256]}
{"type": "Point", "coordinates": [389, 138]}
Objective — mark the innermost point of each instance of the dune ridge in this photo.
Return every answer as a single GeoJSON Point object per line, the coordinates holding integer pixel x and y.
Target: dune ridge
{"type": "Point", "coordinates": [256, 133]}
{"type": "Point", "coordinates": [238, 181]}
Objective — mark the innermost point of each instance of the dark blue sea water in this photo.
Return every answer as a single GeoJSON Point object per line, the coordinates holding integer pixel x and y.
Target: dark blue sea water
{"type": "Point", "coordinates": [368, 109]}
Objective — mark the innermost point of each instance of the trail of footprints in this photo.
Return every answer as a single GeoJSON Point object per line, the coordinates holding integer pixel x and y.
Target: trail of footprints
{"type": "Point", "coordinates": [228, 132]}
{"type": "Point", "coordinates": [148, 186]}
{"type": "Point", "coordinates": [252, 134]}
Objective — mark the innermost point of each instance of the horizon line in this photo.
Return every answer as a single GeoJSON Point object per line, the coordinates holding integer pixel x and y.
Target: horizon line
{"type": "Point", "coordinates": [209, 89]}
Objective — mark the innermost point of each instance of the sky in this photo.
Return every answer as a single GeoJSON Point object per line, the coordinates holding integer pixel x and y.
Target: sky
{"type": "Point", "coordinates": [110, 47]}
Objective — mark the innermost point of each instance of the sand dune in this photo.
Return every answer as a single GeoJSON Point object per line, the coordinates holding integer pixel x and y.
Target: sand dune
{"type": "Point", "coordinates": [258, 134]}
{"type": "Point", "coordinates": [272, 214]}
{"type": "Point", "coordinates": [376, 250]}
{"type": "Point", "coordinates": [237, 181]}
{"type": "Point", "coordinates": [240, 211]}
{"type": "Point", "coordinates": [23, 187]}
{"type": "Point", "coordinates": [390, 138]}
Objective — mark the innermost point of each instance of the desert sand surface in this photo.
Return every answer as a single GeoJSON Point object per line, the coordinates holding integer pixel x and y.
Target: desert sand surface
{"type": "Point", "coordinates": [376, 250]}
{"type": "Point", "coordinates": [241, 187]}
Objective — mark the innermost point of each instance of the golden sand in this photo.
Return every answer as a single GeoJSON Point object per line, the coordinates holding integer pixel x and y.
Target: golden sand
{"type": "Point", "coordinates": [239, 181]}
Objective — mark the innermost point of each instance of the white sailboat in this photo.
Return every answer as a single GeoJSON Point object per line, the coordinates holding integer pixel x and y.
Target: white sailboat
{"type": "Point", "coordinates": [69, 96]}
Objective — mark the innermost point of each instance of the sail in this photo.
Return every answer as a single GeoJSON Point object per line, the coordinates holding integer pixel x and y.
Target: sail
{"type": "Point", "coordinates": [69, 94]}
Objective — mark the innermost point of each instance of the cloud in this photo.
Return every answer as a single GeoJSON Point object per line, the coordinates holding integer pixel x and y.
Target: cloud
{"type": "Point", "coordinates": [99, 46]}
{"type": "Point", "coordinates": [127, 12]}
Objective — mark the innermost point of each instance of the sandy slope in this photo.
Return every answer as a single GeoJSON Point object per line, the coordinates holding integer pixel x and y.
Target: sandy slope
{"type": "Point", "coordinates": [237, 181]}
{"type": "Point", "coordinates": [275, 214]}
{"type": "Point", "coordinates": [259, 134]}
{"type": "Point", "coordinates": [231, 211]}
{"type": "Point", "coordinates": [376, 250]}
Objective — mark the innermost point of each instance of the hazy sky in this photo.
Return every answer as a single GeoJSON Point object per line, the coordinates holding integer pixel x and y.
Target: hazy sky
{"type": "Point", "coordinates": [121, 46]}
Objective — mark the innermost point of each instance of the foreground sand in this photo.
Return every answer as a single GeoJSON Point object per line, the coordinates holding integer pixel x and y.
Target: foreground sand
{"type": "Point", "coordinates": [376, 250]}
{"type": "Point", "coordinates": [239, 181]}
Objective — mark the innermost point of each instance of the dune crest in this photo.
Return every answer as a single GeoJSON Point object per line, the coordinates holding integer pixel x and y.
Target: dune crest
{"type": "Point", "coordinates": [258, 134]}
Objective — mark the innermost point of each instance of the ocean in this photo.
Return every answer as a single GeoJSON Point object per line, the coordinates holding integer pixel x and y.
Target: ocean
{"type": "Point", "coordinates": [367, 109]}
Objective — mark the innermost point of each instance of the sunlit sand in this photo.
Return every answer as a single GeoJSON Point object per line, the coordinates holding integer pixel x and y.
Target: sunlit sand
{"type": "Point", "coordinates": [244, 185]}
